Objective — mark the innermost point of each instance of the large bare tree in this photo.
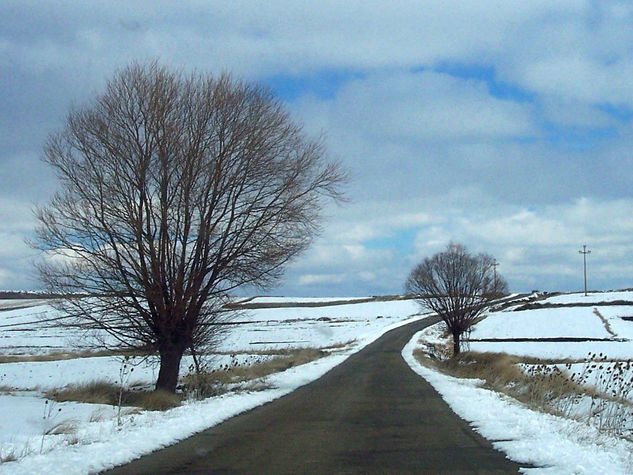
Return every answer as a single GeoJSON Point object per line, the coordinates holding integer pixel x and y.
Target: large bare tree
{"type": "Point", "coordinates": [176, 190]}
{"type": "Point", "coordinates": [457, 286]}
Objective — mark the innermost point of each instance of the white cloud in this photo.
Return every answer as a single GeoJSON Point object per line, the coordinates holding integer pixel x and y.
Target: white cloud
{"type": "Point", "coordinates": [329, 279]}
{"type": "Point", "coordinates": [424, 106]}
{"type": "Point", "coordinates": [543, 244]}
{"type": "Point", "coordinates": [6, 279]}
{"type": "Point", "coordinates": [451, 157]}
{"type": "Point", "coordinates": [582, 54]}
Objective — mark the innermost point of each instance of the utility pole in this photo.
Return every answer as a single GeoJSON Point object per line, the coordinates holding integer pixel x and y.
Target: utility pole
{"type": "Point", "coordinates": [584, 253]}
{"type": "Point", "coordinates": [494, 269]}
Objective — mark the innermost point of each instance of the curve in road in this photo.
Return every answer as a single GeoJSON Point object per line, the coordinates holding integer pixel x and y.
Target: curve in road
{"type": "Point", "coordinates": [371, 414]}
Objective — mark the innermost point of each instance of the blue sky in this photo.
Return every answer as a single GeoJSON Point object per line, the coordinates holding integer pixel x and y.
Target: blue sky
{"type": "Point", "coordinates": [506, 126]}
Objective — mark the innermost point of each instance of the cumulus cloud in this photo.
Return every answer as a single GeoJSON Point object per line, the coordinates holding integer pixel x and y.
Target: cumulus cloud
{"type": "Point", "coordinates": [579, 54]}
{"type": "Point", "coordinates": [484, 122]}
{"type": "Point", "coordinates": [428, 107]}
{"type": "Point", "coordinates": [543, 244]}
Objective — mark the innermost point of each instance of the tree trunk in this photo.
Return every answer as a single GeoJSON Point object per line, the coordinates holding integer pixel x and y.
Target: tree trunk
{"type": "Point", "coordinates": [169, 369]}
{"type": "Point", "coordinates": [455, 344]}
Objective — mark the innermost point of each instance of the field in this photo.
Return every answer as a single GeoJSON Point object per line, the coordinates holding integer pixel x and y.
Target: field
{"type": "Point", "coordinates": [37, 358]}
{"type": "Point", "coordinates": [549, 378]}
{"type": "Point", "coordinates": [561, 327]}
{"type": "Point", "coordinates": [542, 334]}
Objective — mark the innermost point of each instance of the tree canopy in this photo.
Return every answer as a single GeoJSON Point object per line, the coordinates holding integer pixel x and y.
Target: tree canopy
{"type": "Point", "coordinates": [457, 286]}
{"type": "Point", "coordinates": [176, 190]}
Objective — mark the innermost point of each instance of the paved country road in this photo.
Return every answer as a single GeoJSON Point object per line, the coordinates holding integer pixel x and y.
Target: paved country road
{"type": "Point", "coordinates": [371, 414]}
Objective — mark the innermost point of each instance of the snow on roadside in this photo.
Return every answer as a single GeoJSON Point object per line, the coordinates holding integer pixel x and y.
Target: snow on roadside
{"type": "Point", "coordinates": [552, 444]}
{"type": "Point", "coordinates": [102, 445]}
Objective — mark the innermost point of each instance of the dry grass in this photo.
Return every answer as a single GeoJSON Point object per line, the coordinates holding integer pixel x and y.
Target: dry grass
{"type": "Point", "coordinates": [286, 359]}
{"type": "Point", "coordinates": [7, 390]}
{"type": "Point", "coordinates": [211, 383]}
{"type": "Point", "coordinates": [599, 394]}
{"type": "Point", "coordinates": [289, 351]}
{"type": "Point", "coordinates": [8, 456]}
{"type": "Point", "coordinates": [540, 387]}
{"type": "Point", "coordinates": [103, 392]}
{"type": "Point", "coordinates": [66, 355]}
{"type": "Point", "coordinates": [63, 427]}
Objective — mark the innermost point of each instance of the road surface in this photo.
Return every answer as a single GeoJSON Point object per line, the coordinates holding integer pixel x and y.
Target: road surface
{"type": "Point", "coordinates": [371, 414]}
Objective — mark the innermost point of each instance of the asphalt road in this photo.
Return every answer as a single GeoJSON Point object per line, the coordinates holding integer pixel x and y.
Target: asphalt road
{"type": "Point", "coordinates": [371, 414]}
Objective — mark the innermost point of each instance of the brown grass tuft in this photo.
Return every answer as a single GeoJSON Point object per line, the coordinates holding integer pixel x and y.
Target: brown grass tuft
{"type": "Point", "coordinates": [104, 392]}
{"type": "Point", "coordinates": [156, 400]}
{"type": "Point", "coordinates": [6, 457]}
{"type": "Point", "coordinates": [212, 383]}
{"type": "Point", "coordinates": [63, 355]}
{"type": "Point", "coordinates": [63, 427]}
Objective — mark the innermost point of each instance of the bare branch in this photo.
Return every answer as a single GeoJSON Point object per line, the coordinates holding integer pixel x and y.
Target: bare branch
{"type": "Point", "coordinates": [176, 190]}
{"type": "Point", "coordinates": [457, 286]}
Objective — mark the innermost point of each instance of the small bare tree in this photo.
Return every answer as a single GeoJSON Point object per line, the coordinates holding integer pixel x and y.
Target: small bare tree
{"type": "Point", "coordinates": [175, 191]}
{"type": "Point", "coordinates": [457, 286]}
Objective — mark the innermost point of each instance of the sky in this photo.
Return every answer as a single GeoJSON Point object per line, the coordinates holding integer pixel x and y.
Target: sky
{"type": "Point", "coordinates": [504, 126]}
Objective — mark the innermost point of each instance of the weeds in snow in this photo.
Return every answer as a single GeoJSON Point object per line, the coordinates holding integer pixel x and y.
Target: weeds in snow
{"type": "Point", "coordinates": [51, 411]}
{"type": "Point", "coordinates": [7, 456]}
{"type": "Point", "coordinates": [207, 383]}
{"type": "Point", "coordinates": [104, 392]}
{"type": "Point", "coordinates": [610, 406]}
{"type": "Point", "coordinates": [599, 393]}
{"type": "Point", "coordinates": [12, 454]}
{"type": "Point", "coordinates": [125, 371]}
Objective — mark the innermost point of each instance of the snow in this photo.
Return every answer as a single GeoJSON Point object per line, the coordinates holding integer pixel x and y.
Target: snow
{"type": "Point", "coordinates": [613, 314]}
{"type": "Point", "coordinates": [30, 331]}
{"type": "Point", "coordinates": [556, 350]}
{"type": "Point", "coordinates": [559, 322]}
{"type": "Point", "coordinates": [302, 300]}
{"type": "Point", "coordinates": [96, 442]}
{"type": "Point", "coordinates": [19, 303]}
{"type": "Point", "coordinates": [542, 323]}
{"type": "Point", "coordinates": [591, 297]}
{"type": "Point", "coordinates": [289, 326]}
{"type": "Point", "coordinates": [552, 444]}
{"type": "Point", "coordinates": [18, 432]}
{"type": "Point", "coordinates": [276, 328]}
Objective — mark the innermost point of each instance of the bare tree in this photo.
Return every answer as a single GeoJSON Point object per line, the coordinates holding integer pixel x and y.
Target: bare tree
{"type": "Point", "coordinates": [457, 286]}
{"type": "Point", "coordinates": [176, 190]}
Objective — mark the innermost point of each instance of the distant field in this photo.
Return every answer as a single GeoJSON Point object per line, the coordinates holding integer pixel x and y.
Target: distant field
{"type": "Point", "coordinates": [568, 332]}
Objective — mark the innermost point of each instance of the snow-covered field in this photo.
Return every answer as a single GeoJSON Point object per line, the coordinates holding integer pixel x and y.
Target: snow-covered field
{"type": "Point", "coordinates": [556, 444]}
{"type": "Point", "coordinates": [302, 300]}
{"type": "Point", "coordinates": [91, 439]}
{"type": "Point", "coordinates": [578, 330]}
{"type": "Point", "coordinates": [592, 297]}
